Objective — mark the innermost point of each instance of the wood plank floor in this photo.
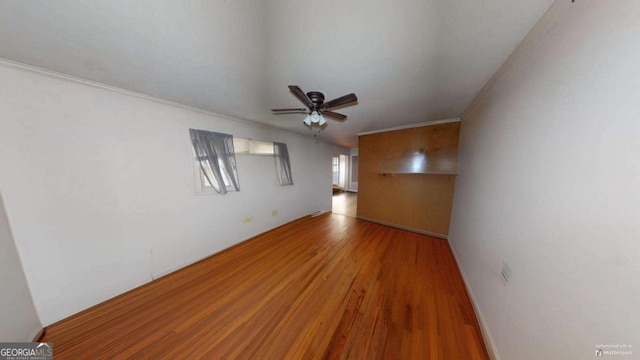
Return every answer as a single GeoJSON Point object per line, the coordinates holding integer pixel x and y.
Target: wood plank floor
{"type": "Point", "coordinates": [329, 287]}
{"type": "Point", "coordinates": [345, 203]}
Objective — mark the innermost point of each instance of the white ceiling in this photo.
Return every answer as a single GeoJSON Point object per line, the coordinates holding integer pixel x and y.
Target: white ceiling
{"type": "Point", "coordinates": [408, 61]}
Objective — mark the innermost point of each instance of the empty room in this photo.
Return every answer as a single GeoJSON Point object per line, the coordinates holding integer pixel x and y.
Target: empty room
{"type": "Point", "coordinates": [278, 179]}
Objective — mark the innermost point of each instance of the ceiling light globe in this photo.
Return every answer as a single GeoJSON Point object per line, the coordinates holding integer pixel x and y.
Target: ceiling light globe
{"type": "Point", "coordinates": [315, 117]}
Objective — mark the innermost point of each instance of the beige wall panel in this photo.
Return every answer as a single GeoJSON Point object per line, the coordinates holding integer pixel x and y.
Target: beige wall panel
{"type": "Point", "coordinates": [407, 176]}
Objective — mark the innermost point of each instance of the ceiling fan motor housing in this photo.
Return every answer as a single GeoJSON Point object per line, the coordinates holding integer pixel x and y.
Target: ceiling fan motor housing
{"type": "Point", "coordinates": [317, 98]}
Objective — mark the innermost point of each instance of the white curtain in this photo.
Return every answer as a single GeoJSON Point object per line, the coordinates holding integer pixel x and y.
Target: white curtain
{"type": "Point", "coordinates": [217, 159]}
{"type": "Point", "coordinates": [283, 164]}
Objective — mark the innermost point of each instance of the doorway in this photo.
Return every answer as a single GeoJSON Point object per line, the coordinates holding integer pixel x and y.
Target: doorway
{"type": "Point", "coordinates": [344, 201]}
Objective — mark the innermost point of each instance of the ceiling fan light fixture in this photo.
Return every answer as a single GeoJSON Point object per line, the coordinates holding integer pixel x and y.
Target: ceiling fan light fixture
{"type": "Point", "coordinates": [307, 120]}
{"type": "Point", "coordinates": [317, 107]}
{"type": "Point", "coordinates": [315, 117]}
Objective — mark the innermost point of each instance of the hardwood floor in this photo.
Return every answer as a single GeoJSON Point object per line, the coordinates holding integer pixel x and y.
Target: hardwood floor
{"type": "Point", "coordinates": [345, 203]}
{"type": "Point", "coordinates": [329, 287]}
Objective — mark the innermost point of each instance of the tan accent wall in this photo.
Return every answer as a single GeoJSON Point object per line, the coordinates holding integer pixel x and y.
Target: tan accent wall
{"type": "Point", "coordinates": [407, 177]}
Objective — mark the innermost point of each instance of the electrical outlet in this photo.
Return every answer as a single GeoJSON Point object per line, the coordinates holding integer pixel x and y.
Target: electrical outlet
{"type": "Point", "coordinates": [506, 273]}
{"type": "Point", "coordinates": [247, 219]}
{"type": "Point", "coordinates": [274, 212]}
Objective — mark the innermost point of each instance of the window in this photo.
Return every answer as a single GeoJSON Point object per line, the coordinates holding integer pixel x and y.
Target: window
{"type": "Point", "coordinates": [336, 170]}
{"type": "Point", "coordinates": [283, 164]}
{"type": "Point", "coordinates": [252, 147]}
{"type": "Point", "coordinates": [222, 176]}
{"type": "Point", "coordinates": [340, 170]}
{"type": "Point", "coordinates": [202, 183]}
{"type": "Point", "coordinates": [215, 162]}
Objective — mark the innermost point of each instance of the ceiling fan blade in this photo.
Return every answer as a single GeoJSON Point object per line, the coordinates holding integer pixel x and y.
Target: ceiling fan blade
{"type": "Point", "coordinates": [334, 115]}
{"type": "Point", "coordinates": [291, 110]}
{"type": "Point", "coordinates": [343, 100]}
{"type": "Point", "coordinates": [301, 95]}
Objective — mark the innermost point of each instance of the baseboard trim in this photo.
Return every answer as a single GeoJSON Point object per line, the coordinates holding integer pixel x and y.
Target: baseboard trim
{"type": "Point", "coordinates": [40, 335]}
{"type": "Point", "coordinates": [408, 228]}
{"type": "Point", "coordinates": [486, 335]}
{"type": "Point", "coordinates": [173, 272]}
{"type": "Point", "coordinates": [315, 214]}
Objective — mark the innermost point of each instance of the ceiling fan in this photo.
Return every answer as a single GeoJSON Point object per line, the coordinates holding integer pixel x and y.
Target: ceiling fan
{"type": "Point", "coordinates": [317, 108]}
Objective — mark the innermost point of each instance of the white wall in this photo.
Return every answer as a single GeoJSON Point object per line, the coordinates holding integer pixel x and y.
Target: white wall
{"type": "Point", "coordinates": [549, 180]}
{"type": "Point", "coordinates": [99, 187]}
{"type": "Point", "coordinates": [208, 54]}
{"type": "Point", "coordinates": [18, 318]}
